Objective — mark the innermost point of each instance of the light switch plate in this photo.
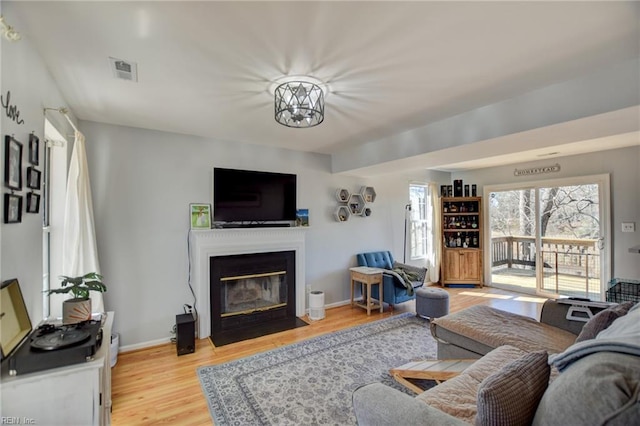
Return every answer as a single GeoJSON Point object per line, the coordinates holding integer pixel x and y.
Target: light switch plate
{"type": "Point", "coordinates": [628, 227]}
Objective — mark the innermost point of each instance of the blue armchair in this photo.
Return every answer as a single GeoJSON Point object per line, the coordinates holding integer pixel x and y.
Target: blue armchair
{"type": "Point", "coordinates": [394, 291]}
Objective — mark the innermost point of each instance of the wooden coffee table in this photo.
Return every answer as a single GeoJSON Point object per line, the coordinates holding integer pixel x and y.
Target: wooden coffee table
{"type": "Point", "coordinates": [431, 369]}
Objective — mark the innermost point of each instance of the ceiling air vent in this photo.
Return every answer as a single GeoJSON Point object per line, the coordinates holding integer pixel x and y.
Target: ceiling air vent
{"type": "Point", "coordinates": [124, 70]}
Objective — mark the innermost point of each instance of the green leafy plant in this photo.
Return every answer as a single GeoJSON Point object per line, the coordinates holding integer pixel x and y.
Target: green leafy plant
{"type": "Point", "coordinates": [80, 287]}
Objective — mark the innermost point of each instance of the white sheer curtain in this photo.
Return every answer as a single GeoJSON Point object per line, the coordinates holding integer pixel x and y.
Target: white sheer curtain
{"type": "Point", "coordinates": [79, 250]}
{"type": "Point", "coordinates": [434, 235]}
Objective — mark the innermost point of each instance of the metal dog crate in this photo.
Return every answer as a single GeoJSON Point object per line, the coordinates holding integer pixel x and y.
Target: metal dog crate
{"type": "Point", "coordinates": [622, 290]}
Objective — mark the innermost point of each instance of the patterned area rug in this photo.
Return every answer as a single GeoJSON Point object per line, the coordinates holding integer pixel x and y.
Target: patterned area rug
{"type": "Point", "coordinates": [311, 382]}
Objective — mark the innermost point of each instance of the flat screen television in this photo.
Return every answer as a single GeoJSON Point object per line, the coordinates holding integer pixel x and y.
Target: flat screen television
{"type": "Point", "coordinates": [253, 196]}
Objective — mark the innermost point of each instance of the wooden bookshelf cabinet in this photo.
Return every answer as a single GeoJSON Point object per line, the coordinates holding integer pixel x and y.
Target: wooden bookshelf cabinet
{"type": "Point", "coordinates": [462, 244]}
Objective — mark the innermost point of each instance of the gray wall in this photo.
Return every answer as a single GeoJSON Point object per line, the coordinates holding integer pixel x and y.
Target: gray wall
{"type": "Point", "coordinates": [623, 166]}
{"type": "Point", "coordinates": [143, 182]}
{"type": "Point", "coordinates": [32, 88]}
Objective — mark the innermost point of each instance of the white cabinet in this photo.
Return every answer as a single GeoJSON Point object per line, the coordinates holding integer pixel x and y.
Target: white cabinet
{"type": "Point", "coordinates": [78, 394]}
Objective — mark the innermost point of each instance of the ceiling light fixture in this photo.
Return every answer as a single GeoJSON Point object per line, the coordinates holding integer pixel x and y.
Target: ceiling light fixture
{"type": "Point", "coordinates": [299, 102]}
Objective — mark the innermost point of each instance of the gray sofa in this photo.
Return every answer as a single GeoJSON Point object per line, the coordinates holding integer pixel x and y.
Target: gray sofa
{"type": "Point", "coordinates": [594, 381]}
{"type": "Point", "coordinates": [473, 332]}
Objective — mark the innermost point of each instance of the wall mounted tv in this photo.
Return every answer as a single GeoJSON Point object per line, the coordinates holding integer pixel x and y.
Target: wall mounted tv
{"type": "Point", "coordinates": [253, 196]}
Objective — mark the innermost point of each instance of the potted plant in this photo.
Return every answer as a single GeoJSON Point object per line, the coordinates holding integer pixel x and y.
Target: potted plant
{"type": "Point", "coordinates": [78, 308]}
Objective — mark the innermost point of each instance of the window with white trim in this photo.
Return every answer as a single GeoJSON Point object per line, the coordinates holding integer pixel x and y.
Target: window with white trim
{"type": "Point", "coordinates": [419, 220]}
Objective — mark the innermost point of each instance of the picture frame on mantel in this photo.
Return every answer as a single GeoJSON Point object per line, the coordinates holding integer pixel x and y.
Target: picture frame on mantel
{"type": "Point", "coordinates": [12, 208]}
{"type": "Point", "coordinates": [200, 216]}
{"type": "Point", "coordinates": [12, 163]}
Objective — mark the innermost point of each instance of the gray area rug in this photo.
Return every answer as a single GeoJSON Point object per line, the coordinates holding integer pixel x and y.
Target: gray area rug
{"type": "Point", "coordinates": [311, 382]}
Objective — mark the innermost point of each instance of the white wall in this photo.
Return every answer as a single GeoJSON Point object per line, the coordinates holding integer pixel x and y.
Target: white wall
{"type": "Point", "coordinates": [143, 182]}
{"type": "Point", "coordinates": [623, 166]}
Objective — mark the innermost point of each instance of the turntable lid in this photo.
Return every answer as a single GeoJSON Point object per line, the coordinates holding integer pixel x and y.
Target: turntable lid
{"type": "Point", "coordinates": [15, 324]}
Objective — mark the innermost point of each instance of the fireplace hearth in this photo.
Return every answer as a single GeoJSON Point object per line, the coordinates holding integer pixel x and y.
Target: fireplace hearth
{"type": "Point", "coordinates": [252, 295]}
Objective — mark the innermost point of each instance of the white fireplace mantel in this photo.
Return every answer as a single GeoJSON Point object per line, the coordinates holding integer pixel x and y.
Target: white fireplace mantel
{"type": "Point", "coordinates": [225, 242]}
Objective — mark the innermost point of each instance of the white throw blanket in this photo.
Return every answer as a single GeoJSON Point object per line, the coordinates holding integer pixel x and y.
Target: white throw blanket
{"type": "Point", "coordinates": [622, 336]}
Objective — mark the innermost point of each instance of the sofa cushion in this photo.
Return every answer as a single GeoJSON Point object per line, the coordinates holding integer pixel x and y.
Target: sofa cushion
{"type": "Point", "coordinates": [458, 396]}
{"type": "Point", "coordinates": [511, 395]}
{"type": "Point", "coordinates": [378, 404]}
{"type": "Point", "coordinates": [602, 320]}
{"type": "Point", "coordinates": [622, 336]}
{"type": "Point", "coordinates": [602, 388]}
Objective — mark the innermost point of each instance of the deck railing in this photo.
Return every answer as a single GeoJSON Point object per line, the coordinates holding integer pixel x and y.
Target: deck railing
{"type": "Point", "coordinates": [570, 265]}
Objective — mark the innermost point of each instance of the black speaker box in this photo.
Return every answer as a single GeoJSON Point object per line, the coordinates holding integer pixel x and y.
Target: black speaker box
{"type": "Point", "coordinates": [457, 188]}
{"type": "Point", "coordinates": [185, 334]}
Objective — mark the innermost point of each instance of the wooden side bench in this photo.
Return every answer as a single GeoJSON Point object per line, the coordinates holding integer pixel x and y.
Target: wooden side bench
{"type": "Point", "coordinates": [436, 369]}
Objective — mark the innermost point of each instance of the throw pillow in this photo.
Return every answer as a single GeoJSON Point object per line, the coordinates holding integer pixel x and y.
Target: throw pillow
{"type": "Point", "coordinates": [602, 320]}
{"type": "Point", "coordinates": [511, 395]}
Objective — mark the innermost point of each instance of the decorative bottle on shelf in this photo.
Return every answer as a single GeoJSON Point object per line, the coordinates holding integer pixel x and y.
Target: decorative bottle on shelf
{"type": "Point", "coordinates": [474, 224]}
{"type": "Point", "coordinates": [453, 208]}
{"type": "Point", "coordinates": [463, 208]}
{"type": "Point", "coordinates": [463, 223]}
{"type": "Point", "coordinates": [466, 241]}
{"type": "Point", "coordinates": [475, 240]}
{"type": "Point", "coordinates": [459, 241]}
{"type": "Point", "coordinates": [446, 207]}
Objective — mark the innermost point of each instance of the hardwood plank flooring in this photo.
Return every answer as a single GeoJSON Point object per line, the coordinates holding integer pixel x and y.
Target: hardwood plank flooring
{"type": "Point", "coordinates": [154, 386]}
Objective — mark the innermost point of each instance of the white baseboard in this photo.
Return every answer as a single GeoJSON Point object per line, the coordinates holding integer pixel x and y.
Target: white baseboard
{"type": "Point", "coordinates": [144, 345]}
{"type": "Point", "coordinates": [334, 305]}
{"type": "Point", "coordinates": [151, 343]}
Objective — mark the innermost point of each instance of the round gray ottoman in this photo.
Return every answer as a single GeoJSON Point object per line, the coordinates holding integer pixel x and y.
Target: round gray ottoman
{"type": "Point", "coordinates": [432, 302]}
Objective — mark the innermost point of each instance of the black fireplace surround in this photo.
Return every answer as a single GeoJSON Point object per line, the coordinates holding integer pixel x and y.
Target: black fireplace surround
{"type": "Point", "coordinates": [252, 295]}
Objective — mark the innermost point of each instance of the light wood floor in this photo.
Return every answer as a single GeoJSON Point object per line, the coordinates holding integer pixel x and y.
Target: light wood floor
{"type": "Point", "coordinates": [154, 386]}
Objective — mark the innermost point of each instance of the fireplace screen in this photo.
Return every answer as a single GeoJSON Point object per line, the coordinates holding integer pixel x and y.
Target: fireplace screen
{"type": "Point", "coordinates": [250, 293]}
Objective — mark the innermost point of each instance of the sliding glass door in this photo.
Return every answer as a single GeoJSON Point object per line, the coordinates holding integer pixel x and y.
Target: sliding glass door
{"type": "Point", "coordinates": [513, 239]}
{"type": "Point", "coordinates": [549, 238]}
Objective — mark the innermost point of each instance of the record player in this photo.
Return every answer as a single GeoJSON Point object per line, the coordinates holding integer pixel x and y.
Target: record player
{"type": "Point", "coordinates": [50, 345]}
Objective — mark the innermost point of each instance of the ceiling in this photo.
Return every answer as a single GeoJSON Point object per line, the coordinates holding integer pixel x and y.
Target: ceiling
{"type": "Point", "coordinates": [205, 68]}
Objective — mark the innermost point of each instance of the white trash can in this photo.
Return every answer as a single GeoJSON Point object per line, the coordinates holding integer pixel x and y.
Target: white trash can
{"type": "Point", "coordinates": [115, 343]}
{"type": "Point", "coordinates": [316, 305]}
